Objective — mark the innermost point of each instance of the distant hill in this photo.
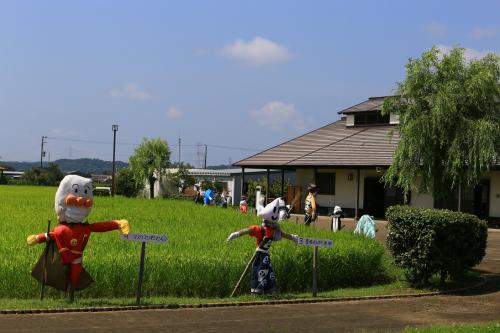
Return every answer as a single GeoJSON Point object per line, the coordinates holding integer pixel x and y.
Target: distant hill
{"type": "Point", "coordinates": [85, 165]}
{"type": "Point", "coordinates": [221, 167]}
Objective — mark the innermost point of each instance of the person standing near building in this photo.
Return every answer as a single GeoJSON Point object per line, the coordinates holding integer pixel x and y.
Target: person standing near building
{"type": "Point", "coordinates": [310, 205]}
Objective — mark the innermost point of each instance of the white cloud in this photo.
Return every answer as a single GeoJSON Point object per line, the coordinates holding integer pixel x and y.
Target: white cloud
{"type": "Point", "coordinates": [132, 92]}
{"type": "Point", "coordinates": [480, 33]}
{"type": "Point", "coordinates": [470, 54]}
{"type": "Point", "coordinates": [278, 116]}
{"type": "Point", "coordinates": [174, 113]}
{"type": "Point", "coordinates": [259, 51]}
{"type": "Point", "coordinates": [435, 29]}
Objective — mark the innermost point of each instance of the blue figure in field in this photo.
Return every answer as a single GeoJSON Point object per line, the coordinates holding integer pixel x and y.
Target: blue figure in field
{"type": "Point", "coordinates": [209, 197]}
{"type": "Point", "coordinates": [366, 226]}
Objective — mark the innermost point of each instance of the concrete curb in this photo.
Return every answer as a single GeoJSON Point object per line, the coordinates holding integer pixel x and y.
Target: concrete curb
{"type": "Point", "coordinates": [234, 304]}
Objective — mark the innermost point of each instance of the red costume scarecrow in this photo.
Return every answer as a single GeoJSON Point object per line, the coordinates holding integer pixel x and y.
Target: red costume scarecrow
{"type": "Point", "coordinates": [73, 202]}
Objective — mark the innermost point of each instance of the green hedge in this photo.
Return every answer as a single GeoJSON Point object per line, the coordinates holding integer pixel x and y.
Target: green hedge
{"type": "Point", "coordinates": [425, 242]}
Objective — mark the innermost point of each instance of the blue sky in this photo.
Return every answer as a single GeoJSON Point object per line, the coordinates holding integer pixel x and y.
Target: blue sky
{"type": "Point", "coordinates": [229, 74]}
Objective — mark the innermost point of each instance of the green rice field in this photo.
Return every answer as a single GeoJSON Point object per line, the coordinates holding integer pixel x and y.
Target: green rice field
{"type": "Point", "coordinates": [195, 262]}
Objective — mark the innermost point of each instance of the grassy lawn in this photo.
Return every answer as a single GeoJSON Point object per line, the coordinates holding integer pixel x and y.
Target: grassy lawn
{"type": "Point", "coordinates": [399, 287]}
{"type": "Point", "coordinates": [479, 328]}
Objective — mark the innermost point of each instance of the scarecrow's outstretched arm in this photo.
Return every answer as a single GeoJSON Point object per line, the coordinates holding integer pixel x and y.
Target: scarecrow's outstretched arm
{"type": "Point", "coordinates": [40, 238]}
{"type": "Point", "coordinates": [111, 225]}
{"type": "Point", "coordinates": [292, 237]}
{"type": "Point", "coordinates": [237, 234]}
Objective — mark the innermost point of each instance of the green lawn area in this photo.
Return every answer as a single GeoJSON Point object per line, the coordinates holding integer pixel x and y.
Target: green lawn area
{"type": "Point", "coordinates": [195, 266]}
{"type": "Point", "coordinates": [476, 328]}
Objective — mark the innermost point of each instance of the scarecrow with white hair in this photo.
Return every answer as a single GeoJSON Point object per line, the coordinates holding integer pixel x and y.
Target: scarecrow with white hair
{"type": "Point", "coordinates": [61, 265]}
{"type": "Point", "coordinates": [263, 279]}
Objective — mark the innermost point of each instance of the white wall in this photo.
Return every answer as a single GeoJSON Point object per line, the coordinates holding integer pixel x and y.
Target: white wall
{"type": "Point", "coordinates": [393, 118]}
{"type": "Point", "coordinates": [421, 200]}
{"type": "Point", "coordinates": [349, 120]}
{"type": "Point", "coordinates": [495, 193]}
{"type": "Point", "coordinates": [345, 189]}
{"type": "Point", "coordinates": [304, 178]}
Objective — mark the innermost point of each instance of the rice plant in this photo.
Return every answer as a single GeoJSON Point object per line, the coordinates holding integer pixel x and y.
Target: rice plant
{"type": "Point", "coordinates": [195, 262]}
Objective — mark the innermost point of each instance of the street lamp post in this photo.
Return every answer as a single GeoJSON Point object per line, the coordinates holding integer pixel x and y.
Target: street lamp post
{"type": "Point", "coordinates": [114, 128]}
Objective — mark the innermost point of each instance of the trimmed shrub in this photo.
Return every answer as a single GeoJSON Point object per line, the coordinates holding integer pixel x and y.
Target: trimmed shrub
{"type": "Point", "coordinates": [125, 183]}
{"type": "Point", "coordinates": [425, 242]}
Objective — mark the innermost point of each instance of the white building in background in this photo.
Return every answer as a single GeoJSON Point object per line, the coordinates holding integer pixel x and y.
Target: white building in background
{"type": "Point", "coordinates": [230, 178]}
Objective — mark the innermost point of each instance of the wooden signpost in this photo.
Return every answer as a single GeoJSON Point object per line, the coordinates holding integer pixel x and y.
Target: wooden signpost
{"type": "Point", "coordinates": [143, 238]}
{"type": "Point", "coordinates": [45, 253]}
{"type": "Point", "coordinates": [315, 243]}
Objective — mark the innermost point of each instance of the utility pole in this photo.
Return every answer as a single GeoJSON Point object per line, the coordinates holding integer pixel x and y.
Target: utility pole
{"type": "Point", "coordinates": [179, 158]}
{"type": "Point", "coordinates": [205, 163]}
{"type": "Point", "coordinates": [114, 128]}
{"type": "Point", "coordinates": [42, 153]}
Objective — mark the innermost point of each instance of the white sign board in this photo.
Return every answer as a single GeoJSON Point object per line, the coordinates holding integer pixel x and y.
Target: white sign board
{"type": "Point", "coordinates": [315, 242]}
{"type": "Point", "coordinates": [145, 238]}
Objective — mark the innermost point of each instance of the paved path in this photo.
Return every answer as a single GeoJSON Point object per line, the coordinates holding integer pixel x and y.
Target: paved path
{"type": "Point", "coordinates": [374, 315]}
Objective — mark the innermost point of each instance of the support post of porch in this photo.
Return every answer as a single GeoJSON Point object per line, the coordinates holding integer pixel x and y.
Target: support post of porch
{"type": "Point", "coordinates": [282, 183]}
{"type": "Point", "coordinates": [268, 185]}
{"type": "Point", "coordinates": [242, 185]}
{"type": "Point", "coordinates": [356, 212]}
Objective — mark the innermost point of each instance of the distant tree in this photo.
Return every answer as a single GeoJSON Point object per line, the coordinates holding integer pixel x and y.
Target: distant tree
{"type": "Point", "coordinates": [54, 175]}
{"type": "Point", "coordinates": [181, 179]}
{"type": "Point", "coordinates": [252, 188]}
{"type": "Point", "coordinates": [183, 164]}
{"type": "Point", "coordinates": [49, 176]}
{"type": "Point", "coordinates": [275, 190]}
{"type": "Point", "coordinates": [3, 179]}
{"type": "Point", "coordinates": [150, 161]}
{"type": "Point", "coordinates": [206, 184]}
{"type": "Point", "coordinates": [449, 117]}
{"type": "Point", "coordinates": [126, 184]}
{"type": "Point", "coordinates": [6, 167]}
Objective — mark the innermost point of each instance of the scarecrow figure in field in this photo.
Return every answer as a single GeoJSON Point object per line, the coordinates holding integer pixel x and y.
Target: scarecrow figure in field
{"type": "Point", "coordinates": [61, 265]}
{"type": "Point", "coordinates": [243, 204]}
{"type": "Point", "coordinates": [209, 197]}
{"type": "Point", "coordinates": [263, 279]}
{"type": "Point", "coordinates": [366, 226]}
{"type": "Point", "coordinates": [336, 224]}
{"type": "Point", "coordinates": [310, 205]}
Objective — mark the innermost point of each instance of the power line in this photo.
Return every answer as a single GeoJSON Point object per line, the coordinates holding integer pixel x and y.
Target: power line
{"type": "Point", "coordinates": [137, 144]}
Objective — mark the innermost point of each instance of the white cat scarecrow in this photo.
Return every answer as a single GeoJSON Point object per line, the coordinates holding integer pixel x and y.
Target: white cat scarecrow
{"type": "Point", "coordinates": [263, 279]}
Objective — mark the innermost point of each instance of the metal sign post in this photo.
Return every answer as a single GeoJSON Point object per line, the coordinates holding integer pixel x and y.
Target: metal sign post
{"type": "Point", "coordinates": [315, 243]}
{"type": "Point", "coordinates": [143, 238]}
{"type": "Point", "coordinates": [45, 252]}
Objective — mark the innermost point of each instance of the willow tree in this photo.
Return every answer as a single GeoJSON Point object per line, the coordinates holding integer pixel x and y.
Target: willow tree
{"type": "Point", "coordinates": [449, 113]}
{"type": "Point", "coordinates": [150, 161]}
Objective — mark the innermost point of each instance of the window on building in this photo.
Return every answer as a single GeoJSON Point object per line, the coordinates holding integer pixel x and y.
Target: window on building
{"type": "Point", "coordinates": [371, 118]}
{"type": "Point", "coordinates": [326, 183]}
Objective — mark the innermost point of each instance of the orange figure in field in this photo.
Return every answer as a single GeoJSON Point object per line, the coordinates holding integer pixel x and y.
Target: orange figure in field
{"type": "Point", "coordinates": [73, 202]}
{"type": "Point", "coordinates": [243, 205]}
